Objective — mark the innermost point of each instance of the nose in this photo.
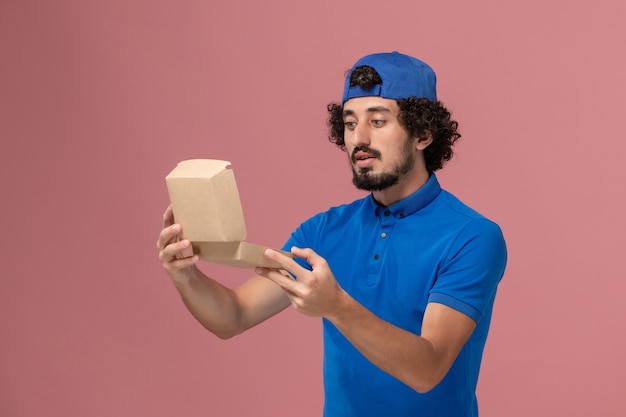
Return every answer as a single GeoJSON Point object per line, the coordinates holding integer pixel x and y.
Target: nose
{"type": "Point", "coordinates": [359, 135]}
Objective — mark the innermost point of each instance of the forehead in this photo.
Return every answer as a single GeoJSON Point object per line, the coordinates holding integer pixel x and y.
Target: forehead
{"type": "Point", "coordinates": [370, 104]}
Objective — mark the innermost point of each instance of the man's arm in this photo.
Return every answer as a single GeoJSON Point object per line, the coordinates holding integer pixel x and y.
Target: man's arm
{"type": "Point", "coordinates": [420, 362]}
{"type": "Point", "coordinates": [223, 311]}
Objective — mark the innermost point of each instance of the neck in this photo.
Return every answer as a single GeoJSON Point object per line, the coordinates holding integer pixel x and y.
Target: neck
{"type": "Point", "coordinates": [404, 188]}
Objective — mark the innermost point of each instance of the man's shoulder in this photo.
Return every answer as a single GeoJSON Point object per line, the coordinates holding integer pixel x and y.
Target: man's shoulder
{"type": "Point", "coordinates": [466, 221]}
{"type": "Point", "coordinates": [455, 206]}
{"type": "Point", "coordinates": [347, 208]}
{"type": "Point", "coordinates": [339, 214]}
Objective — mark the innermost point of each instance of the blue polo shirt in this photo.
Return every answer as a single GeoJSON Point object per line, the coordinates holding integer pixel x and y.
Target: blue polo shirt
{"type": "Point", "coordinates": [428, 247]}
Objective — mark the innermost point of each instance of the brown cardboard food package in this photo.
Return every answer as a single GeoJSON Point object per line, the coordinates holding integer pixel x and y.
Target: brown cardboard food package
{"type": "Point", "coordinates": [205, 200]}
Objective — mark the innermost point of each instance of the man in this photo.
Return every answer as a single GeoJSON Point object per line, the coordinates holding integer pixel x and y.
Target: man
{"type": "Point", "coordinates": [404, 278]}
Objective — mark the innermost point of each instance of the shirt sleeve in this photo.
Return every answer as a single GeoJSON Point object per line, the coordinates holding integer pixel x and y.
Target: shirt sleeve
{"type": "Point", "coordinates": [472, 270]}
{"type": "Point", "coordinates": [304, 236]}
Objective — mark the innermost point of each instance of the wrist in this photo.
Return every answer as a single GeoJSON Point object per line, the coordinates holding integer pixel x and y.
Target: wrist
{"type": "Point", "coordinates": [342, 306]}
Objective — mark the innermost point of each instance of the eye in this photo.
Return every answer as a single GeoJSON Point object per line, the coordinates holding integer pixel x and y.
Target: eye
{"type": "Point", "coordinates": [378, 123]}
{"type": "Point", "coordinates": [349, 125]}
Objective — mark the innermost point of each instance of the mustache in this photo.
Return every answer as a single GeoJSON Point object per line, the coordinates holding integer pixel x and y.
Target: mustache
{"type": "Point", "coordinates": [364, 148]}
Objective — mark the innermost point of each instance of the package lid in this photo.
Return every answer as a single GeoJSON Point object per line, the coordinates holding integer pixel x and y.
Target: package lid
{"type": "Point", "coordinates": [205, 200]}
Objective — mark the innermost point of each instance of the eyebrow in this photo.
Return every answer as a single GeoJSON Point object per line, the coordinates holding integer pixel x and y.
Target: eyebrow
{"type": "Point", "coordinates": [377, 109]}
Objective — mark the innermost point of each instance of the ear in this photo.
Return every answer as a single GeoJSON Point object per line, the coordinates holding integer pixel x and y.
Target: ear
{"type": "Point", "coordinates": [423, 142]}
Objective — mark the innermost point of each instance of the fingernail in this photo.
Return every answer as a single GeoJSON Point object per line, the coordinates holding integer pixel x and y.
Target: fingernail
{"type": "Point", "coordinates": [269, 253]}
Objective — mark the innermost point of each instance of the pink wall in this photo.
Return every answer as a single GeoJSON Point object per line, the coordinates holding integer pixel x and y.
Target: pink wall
{"type": "Point", "coordinates": [99, 100]}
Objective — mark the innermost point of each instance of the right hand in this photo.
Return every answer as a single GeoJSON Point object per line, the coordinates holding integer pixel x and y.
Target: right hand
{"type": "Point", "coordinates": [175, 254]}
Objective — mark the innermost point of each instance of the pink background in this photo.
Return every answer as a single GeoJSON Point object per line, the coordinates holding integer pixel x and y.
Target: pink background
{"type": "Point", "coordinates": [100, 99]}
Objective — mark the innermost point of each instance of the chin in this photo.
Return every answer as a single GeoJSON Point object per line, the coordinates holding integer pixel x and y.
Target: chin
{"type": "Point", "coordinates": [374, 182]}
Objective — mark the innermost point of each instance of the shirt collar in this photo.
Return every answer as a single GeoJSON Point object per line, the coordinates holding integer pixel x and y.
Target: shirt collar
{"type": "Point", "coordinates": [412, 203]}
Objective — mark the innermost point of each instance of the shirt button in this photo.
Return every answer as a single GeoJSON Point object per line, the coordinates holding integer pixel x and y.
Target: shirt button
{"type": "Point", "coordinates": [376, 256]}
{"type": "Point", "coordinates": [383, 235]}
{"type": "Point", "coordinates": [387, 212]}
{"type": "Point", "coordinates": [402, 215]}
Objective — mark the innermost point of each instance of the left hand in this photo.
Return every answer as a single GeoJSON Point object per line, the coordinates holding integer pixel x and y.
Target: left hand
{"type": "Point", "coordinates": [313, 293]}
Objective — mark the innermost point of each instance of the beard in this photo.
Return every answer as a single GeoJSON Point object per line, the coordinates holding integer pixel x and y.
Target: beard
{"type": "Point", "coordinates": [363, 179]}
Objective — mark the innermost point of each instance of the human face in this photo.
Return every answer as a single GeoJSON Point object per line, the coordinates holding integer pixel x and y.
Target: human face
{"type": "Point", "coordinates": [380, 149]}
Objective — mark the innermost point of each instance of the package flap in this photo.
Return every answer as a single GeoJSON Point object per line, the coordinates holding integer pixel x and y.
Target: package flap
{"type": "Point", "coordinates": [238, 254]}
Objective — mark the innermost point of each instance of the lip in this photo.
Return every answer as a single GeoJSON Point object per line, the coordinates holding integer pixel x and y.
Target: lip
{"type": "Point", "coordinates": [363, 159]}
{"type": "Point", "coordinates": [364, 163]}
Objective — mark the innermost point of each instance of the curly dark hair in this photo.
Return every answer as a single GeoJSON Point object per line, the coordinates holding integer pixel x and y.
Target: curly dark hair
{"type": "Point", "coordinates": [419, 116]}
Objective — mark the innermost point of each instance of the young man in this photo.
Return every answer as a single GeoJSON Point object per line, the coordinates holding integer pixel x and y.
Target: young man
{"type": "Point", "coordinates": [404, 278]}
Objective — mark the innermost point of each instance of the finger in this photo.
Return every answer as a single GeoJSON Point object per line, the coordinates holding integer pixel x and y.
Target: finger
{"type": "Point", "coordinates": [168, 217]}
{"type": "Point", "coordinates": [176, 250]}
{"type": "Point", "coordinates": [310, 256]}
{"type": "Point", "coordinates": [286, 262]}
{"type": "Point", "coordinates": [181, 263]}
{"type": "Point", "coordinates": [168, 235]}
{"type": "Point", "coordinates": [279, 277]}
